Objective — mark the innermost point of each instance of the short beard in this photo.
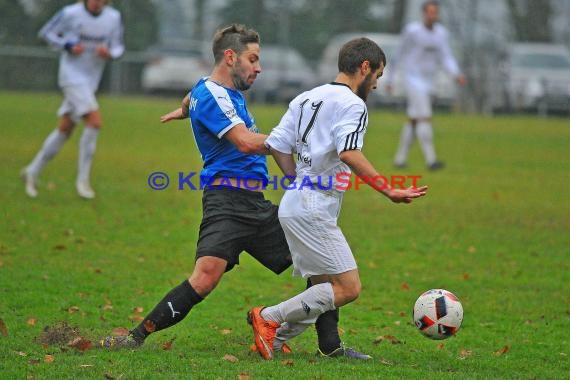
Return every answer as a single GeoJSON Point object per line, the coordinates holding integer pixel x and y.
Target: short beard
{"type": "Point", "coordinates": [364, 88]}
{"type": "Point", "coordinates": [239, 83]}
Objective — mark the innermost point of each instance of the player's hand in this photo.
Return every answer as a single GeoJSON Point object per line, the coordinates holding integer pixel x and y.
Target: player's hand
{"type": "Point", "coordinates": [77, 49]}
{"type": "Point", "coordinates": [102, 51]}
{"type": "Point", "coordinates": [406, 195]}
{"type": "Point", "coordinates": [461, 80]}
{"type": "Point", "coordinates": [177, 114]}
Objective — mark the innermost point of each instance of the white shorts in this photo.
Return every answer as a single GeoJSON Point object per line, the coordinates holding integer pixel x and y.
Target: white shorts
{"type": "Point", "coordinates": [419, 99]}
{"type": "Point", "coordinates": [309, 220]}
{"type": "Point", "coordinates": [78, 101]}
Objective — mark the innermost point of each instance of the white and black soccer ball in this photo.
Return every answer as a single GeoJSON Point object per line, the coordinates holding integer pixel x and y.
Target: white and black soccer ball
{"type": "Point", "coordinates": [438, 314]}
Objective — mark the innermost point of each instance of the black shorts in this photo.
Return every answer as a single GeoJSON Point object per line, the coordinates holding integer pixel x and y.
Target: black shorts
{"type": "Point", "coordinates": [236, 220]}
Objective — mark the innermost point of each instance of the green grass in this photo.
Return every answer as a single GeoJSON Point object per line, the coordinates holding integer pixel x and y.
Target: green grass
{"type": "Point", "coordinates": [494, 229]}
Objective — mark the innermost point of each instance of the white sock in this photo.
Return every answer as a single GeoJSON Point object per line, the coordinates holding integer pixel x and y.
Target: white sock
{"type": "Point", "coordinates": [288, 331]}
{"type": "Point", "coordinates": [87, 145]}
{"type": "Point", "coordinates": [425, 136]}
{"type": "Point", "coordinates": [304, 307]}
{"type": "Point", "coordinates": [52, 145]}
{"type": "Point", "coordinates": [406, 140]}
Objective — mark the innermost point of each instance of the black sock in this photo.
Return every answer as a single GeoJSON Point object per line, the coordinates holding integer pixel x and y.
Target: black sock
{"type": "Point", "coordinates": [168, 312]}
{"type": "Point", "coordinates": [327, 329]}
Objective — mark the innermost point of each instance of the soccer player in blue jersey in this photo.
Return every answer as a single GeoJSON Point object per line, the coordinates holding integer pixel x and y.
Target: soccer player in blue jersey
{"type": "Point", "coordinates": [88, 34]}
{"type": "Point", "coordinates": [236, 217]}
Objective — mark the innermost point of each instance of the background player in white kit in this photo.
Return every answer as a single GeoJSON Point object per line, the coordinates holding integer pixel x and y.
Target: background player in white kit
{"type": "Point", "coordinates": [424, 46]}
{"type": "Point", "coordinates": [87, 33]}
{"type": "Point", "coordinates": [324, 128]}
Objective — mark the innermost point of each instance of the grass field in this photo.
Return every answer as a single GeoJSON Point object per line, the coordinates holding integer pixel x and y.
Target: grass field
{"type": "Point", "coordinates": [494, 229]}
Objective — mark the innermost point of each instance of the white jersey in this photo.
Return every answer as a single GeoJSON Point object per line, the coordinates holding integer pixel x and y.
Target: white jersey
{"type": "Point", "coordinates": [74, 24]}
{"type": "Point", "coordinates": [422, 52]}
{"type": "Point", "coordinates": [318, 126]}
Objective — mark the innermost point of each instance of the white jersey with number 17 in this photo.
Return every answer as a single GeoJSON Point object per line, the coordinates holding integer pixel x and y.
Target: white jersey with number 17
{"type": "Point", "coordinates": [318, 126]}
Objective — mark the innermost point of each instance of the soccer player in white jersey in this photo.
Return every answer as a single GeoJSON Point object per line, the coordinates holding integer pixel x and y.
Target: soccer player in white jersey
{"type": "Point", "coordinates": [88, 34]}
{"type": "Point", "coordinates": [424, 46]}
{"type": "Point", "coordinates": [324, 129]}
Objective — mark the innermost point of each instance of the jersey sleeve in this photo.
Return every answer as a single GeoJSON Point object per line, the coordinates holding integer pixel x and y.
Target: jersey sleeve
{"type": "Point", "coordinates": [447, 59]}
{"type": "Point", "coordinates": [348, 132]}
{"type": "Point", "coordinates": [54, 31]}
{"type": "Point", "coordinates": [282, 137]}
{"type": "Point", "coordinates": [398, 56]}
{"type": "Point", "coordinates": [116, 41]}
{"type": "Point", "coordinates": [216, 113]}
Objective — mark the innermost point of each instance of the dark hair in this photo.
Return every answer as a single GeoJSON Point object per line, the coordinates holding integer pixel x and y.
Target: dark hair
{"type": "Point", "coordinates": [427, 3]}
{"type": "Point", "coordinates": [356, 51]}
{"type": "Point", "coordinates": [235, 37]}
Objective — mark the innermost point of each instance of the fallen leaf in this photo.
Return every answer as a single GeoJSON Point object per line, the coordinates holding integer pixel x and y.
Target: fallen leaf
{"type": "Point", "coordinates": [463, 354]}
{"type": "Point", "coordinates": [21, 353]}
{"type": "Point", "coordinates": [59, 247]}
{"type": "Point", "coordinates": [31, 321]}
{"type": "Point", "coordinates": [167, 346]}
{"type": "Point", "coordinates": [440, 346]}
{"type": "Point", "coordinates": [503, 350]}
{"type": "Point", "coordinates": [34, 361]}
{"type": "Point", "coordinates": [386, 362]}
{"type": "Point", "coordinates": [372, 265]}
{"type": "Point", "coordinates": [466, 276]}
{"type": "Point", "coordinates": [471, 249]}
{"type": "Point", "coordinates": [149, 326]}
{"type": "Point", "coordinates": [287, 362]}
{"type": "Point", "coordinates": [136, 318]}
{"type": "Point", "coordinates": [108, 376]}
{"type": "Point", "coordinates": [80, 344]}
{"type": "Point", "coordinates": [49, 359]}
{"type": "Point", "coordinates": [120, 331]}
{"type": "Point", "coordinates": [138, 309]}
{"type": "Point", "coordinates": [230, 358]}
{"type": "Point", "coordinates": [3, 328]}
{"type": "Point", "coordinates": [107, 307]}
{"type": "Point", "coordinates": [225, 331]}
{"type": "Point", "coordinates": [405, 286]}
{"type": "Point", "coordinates": [341, 331]}
{"type": "Point", "coordinates": [389, 338]}
{"type": "Point", "coordinates": [244, 376]}
{"type": "Point", "coordinates": [73, 309]}
{"type": "Point", "coordinates": [86, 365]}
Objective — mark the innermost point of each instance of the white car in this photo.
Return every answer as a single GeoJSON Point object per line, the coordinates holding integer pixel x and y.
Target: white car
{"type": "Point", "coordinates": [284, 74]}
{"type": "Point", "coordinates": [173, 69]}
{"type": "Point", "coordinates": [537, 75]}
{"type": "Point", "coordinates": [444, 92]}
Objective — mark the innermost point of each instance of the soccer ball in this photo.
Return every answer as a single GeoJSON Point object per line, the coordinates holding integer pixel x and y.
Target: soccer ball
{"type": "Point", "coordinates": [438, 314]}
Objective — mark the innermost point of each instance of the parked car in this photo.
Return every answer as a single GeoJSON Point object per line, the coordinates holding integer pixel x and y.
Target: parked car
{"type": "Point", "coordinates": [174, 68]}
{"type": "Point", "coordinates": [444, 92]}
{"type": "Point", "coordinates": [536, 75]}
{"type": "Point", "coordinates": [285, 73]}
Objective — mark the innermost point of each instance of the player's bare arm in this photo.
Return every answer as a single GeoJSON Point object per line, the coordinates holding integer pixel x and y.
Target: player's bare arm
{"type": "Point", "coordinates": [360, 165]}
{"type": "Point", "coordinates": [285, 162]}
{"type": "Point", "coordinates": [246, 141]}
{"type": "Point", "coordinates": [178, 114]}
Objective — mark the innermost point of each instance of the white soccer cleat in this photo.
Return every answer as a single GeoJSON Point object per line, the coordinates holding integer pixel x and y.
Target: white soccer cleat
{"type": "Point", "coordinates": [30, 182]}
{"type": "Point", "coordinates": [84, 190]}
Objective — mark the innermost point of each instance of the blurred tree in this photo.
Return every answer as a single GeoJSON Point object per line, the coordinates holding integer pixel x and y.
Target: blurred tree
{"type": "Point", "coordinates": [308, 25]}
{"type": "Point", "coordinates": [15, 26]}
{"type": "Point", "coordinates": [396, 22]}
{"type": "Point", "coordinates": [531, 19]}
